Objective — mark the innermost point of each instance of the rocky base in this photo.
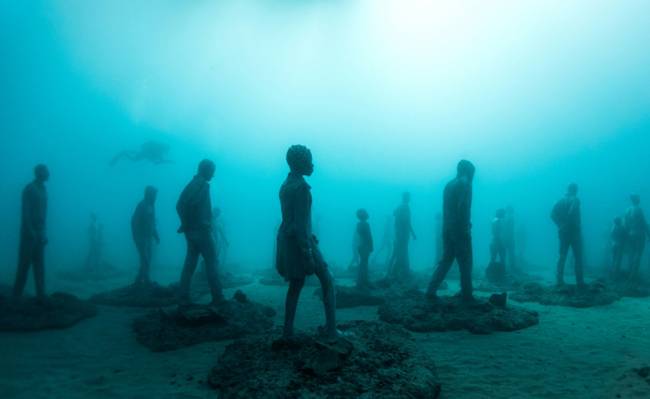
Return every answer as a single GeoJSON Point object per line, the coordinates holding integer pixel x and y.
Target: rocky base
{"type": "Point", "coordinates": [138, 295]}
{"type": "Point", "coordinates": [200, 286]}
{"type": "Point", "coordinates": [594, 294]}
{"type": "Point", "coordinates": [626, 286]}
{"type": "Point", "coordinates": [177, 327]}
{"type": "Point", "coordinates": [374, 360]}
{"type": "Point", "coordinates": [498, 280]}
{"type": "Point", "coordinates": [57, 311]}
{"type": "Point", "coordinates": [352, 297]}
{"type": "Point", "coordinates": [416, 313]}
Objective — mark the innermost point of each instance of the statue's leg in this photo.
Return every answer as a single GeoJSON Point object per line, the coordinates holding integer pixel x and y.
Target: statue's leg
{"type": "Point", "coordinates": [38, 259]}
{"type": "Point", "coordinates": [291, 304]}
{"type": "Point", "coordinates": [191, 260]}
{"type": "Point", "coordinates": [448, 256]}
{"type": "Point", "coordinates": [362, 277]}
{"type": "Point", "coordinates": [329, 298]}
{"type": "Point", "coordinates": [24, 261]}
{"type": "Point", "coordinates": [564, 250]}
{"type": "Point", "coordinates": [465, 263]}
{"type": "Point", "coordinates": [209, 251]}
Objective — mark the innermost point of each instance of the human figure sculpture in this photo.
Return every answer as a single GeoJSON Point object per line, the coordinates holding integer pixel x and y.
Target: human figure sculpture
{"type": "Point", "coordinates": [194, 207]}
{"type": "Point", "coordinates": [364, 248]}
{"type": "Point", "coordinates": [400, 263]}
{"type": "Point", "coordinates": [298, 255]}
{"type": "Point", "coordinates": [567, 218]}
{"type": "Point", "coordinates": [144, 231]}
{"type": "Point", "coordinates": [456, 232]}
{"type": "Point", "coordinates": [637, 233]}
{"type": "Point", "coordinates": [33, 237]}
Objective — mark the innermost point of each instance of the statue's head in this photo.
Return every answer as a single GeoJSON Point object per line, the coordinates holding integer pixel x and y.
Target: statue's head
{"type": "Point", "coordinates": [300, 160]}
{"type": "Point", "coordinates": [406, 197]}
{"type": "Point", "coordinates": [206, 169]}
{"type": "Point", "coordinates": [635, 198]}
{"type": "Point", "coordinates": [362, 214]}
{"type": "Point", "coordinates": [466, 169]}
{"type": "Point", "coordinates": [150, 194]}
{"type": "Point", "coordinates": [41, 173]}
{"type": "Point", "coordinates": [572, 189]}
{"type": "Point", "coordinates": [501, 213]}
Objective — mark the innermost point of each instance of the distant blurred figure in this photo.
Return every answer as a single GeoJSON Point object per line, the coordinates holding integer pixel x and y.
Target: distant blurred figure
{"type": "Point", "coordinates": [618, 237]}
{"type": "Point", "coordinates": [566, 216]}
{"type": "Point", "coordinates": [497, 246]}
{"type": "Point", "coordinates": [456, 232]}
{"type": "Point", "coordinates": [400, 268]}
{"type": "Point", "coordinates": [194, 208]}
{"type": "Point", "coordinates": [364, 248]}
{"type": "Point", "coordinates": [355, 260]}
{"type": "Point", "coordinates": [386, 246]}
{"type": "Point", "coordinates": [151, 151]}
{"type": "Point", "coordinates": [509, 237]}
{"type": "Point", "coordinates": [219, 233]}
{"type": "Point", "coordinates": [95, 243]}
{"type": "Point", "coordinates": [298, 253]}
{"type": "Point", "coordinates": [143, 228]}
{"type": "Point", "coordinates": [33, 237]}
{"type": "Point", "coordinates": [637, 231]}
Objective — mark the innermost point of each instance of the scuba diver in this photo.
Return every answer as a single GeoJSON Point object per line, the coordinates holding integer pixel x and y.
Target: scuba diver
{"type": "Point", "coordinates": [144, 231]}
{"type": "Point", "coordinates": [456, 232]}
{"type": "Point", "coordinates": [151, 151]}
{"type": "Point", "coordinates": [33, 237]}
{"type": "Point", "coordinates": [298, 255]}
{"type": "Point", "coordinates": [566, 216]}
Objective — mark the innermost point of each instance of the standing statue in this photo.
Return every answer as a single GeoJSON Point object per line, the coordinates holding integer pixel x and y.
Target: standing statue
{"type": "Point", "coordinates": [456, 232]}
{"type": "Point", "coordinates": [498, 244]}
{"type": "Point", "coordinates": [33, 237]}
{"type": "Point", "coordinates": [400, 268]}
{"type": "Point", "coordinates": [95, 243]}
{"type": "Point", "coordinates": [566, 216]}
{"type": "Point", "coordinates": [637, 232]}
{"type": "Point", "coordinates": [509, 237]}
{"type": "Point", "coordinates": [143, 228]}
{"type": "Point", "coordinates": [364, 248]}
{"type": "Point", "coordinates": [618, 239]}
{"type": "Point", "coordinates": [194, 207]}
{"type": "Point", "coordinates": [298, 255]}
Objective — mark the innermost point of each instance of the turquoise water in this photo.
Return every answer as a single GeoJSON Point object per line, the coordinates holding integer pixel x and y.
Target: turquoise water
{"type": "Point", "coordinates": [388, 95]}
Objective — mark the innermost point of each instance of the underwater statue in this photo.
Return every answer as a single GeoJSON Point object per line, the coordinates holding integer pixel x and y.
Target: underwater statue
{"type": "Point", "coordinates": [498, 244]}
{"type": "Point", "coordinates": [219, 234]}
{"type": "Point", "coordinates": [637, 233]}
{"type": "Point", "coordinates": [566, 216]}
{"type": "Point", "coordinates": [456, 232]}
{"type": "Point", "coordinates": [618, 238]}
{"type": "Point", "coordinates": [364, 248]}
{"type": "Point", "coordinates": [438, 237]}
{"type": "Point", "coordinates": [400, 267]}
{"type": "Point", "coordinates": [151, 151]}
{"type": "Point", "coordinates": [143, 228]}
{"type": "Point", "coordinates": [509, 237]}
{"type": "Point", "coordinates": [194, 208]}
{"type": "Point", "coordinates": [33, 237]}
{"type": "Point", "coordinates": [298, 255]}
{"type": "Point", "coordinates": [95, 243]}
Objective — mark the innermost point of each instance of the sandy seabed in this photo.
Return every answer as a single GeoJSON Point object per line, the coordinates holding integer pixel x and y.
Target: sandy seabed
{"type": "Point", "coordinates": [572, 353]}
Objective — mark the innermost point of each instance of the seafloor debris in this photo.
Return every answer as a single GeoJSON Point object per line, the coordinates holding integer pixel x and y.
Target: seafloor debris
{"type": "Point", "coordinates": [416, 313]}
{"type": "Point", "coordinates": [145, 295]}
{"type": "Point", "coordinates": [373, 360]}
{"type": "Point", "coordinates": [176, 327]}
{"type": "Point", "coordinates": [593, 294]}
{"type": "Point", "coordinates": [56, 311]}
